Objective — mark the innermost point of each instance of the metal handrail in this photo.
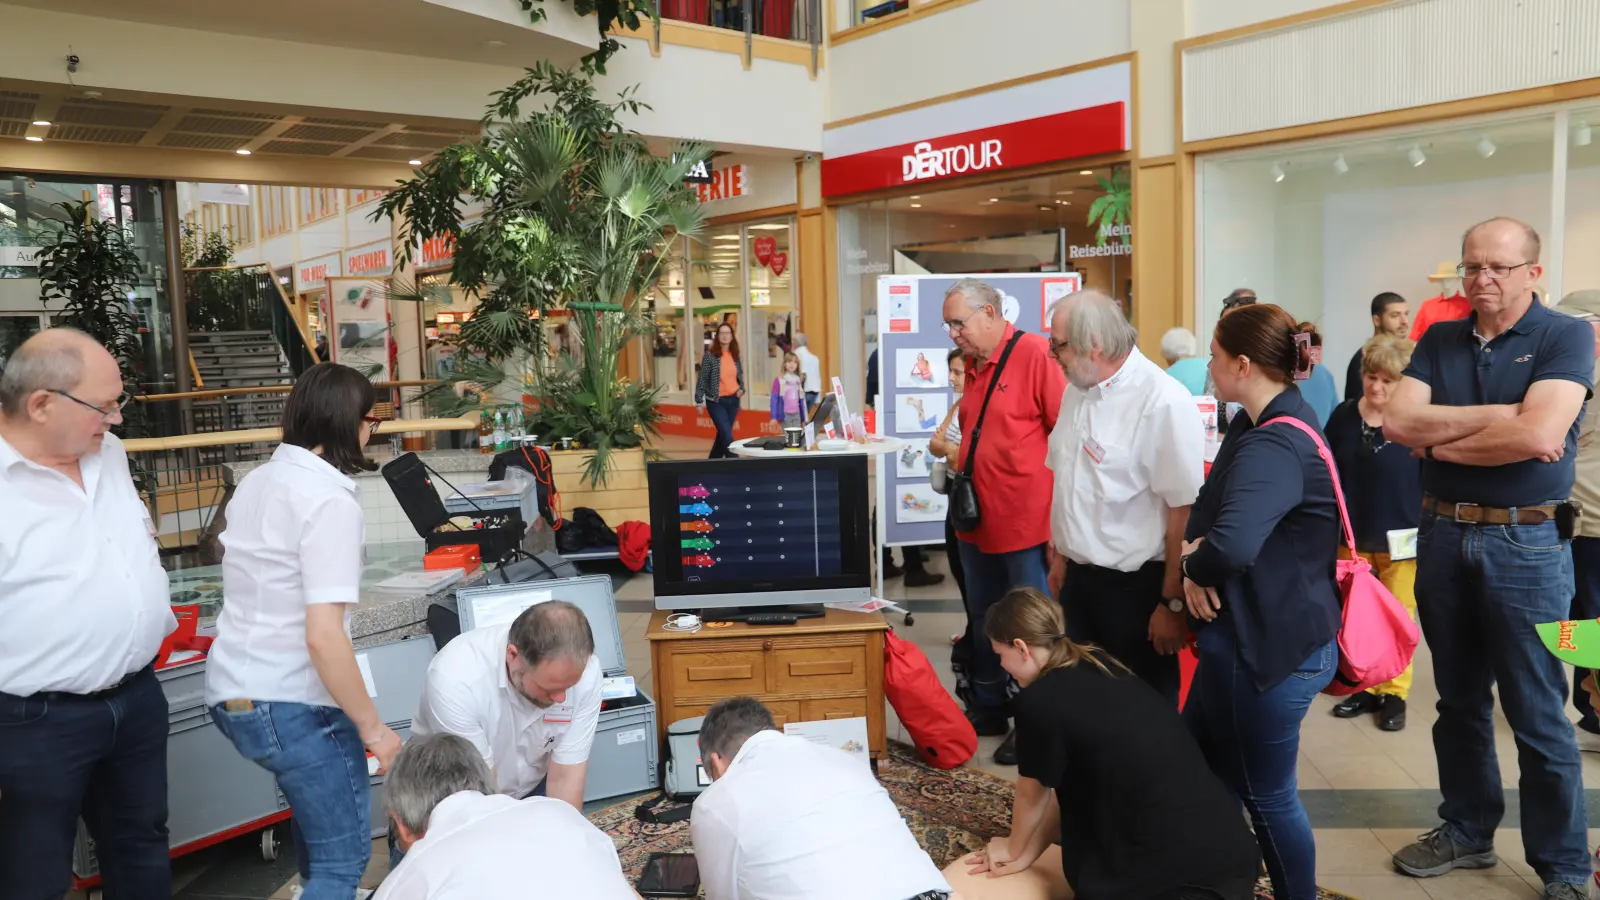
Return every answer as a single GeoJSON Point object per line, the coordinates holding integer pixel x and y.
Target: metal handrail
{"type": "Point", "coordinates": [273, 435]}
{"type": "Point", "coordinates": [265, 389]}
{"type": "Point", "coordinates": [288, 305]}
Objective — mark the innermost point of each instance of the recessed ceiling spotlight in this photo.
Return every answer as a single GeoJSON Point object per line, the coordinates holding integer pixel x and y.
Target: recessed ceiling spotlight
{"type": "Point", "coordinates": [42, 123]}
{"type": "Point", "coordinates": [413, 162]}
{"type": "Point", "coordinates": [1086, 172]}
{"type": "Point", "coordinates": [994, 199]}
{"type": "Point", "coordinates": [916, 196]}
{"type": "Point", "coordinates": [1486, 147]}
{"type": "Point", "coordinates": [1416, 156]}
{"type": "Point", "coordinates": [1585, 134]}
{"type": "Point", "coordinates": [916, 206]}
{"type": "Point", "coordinates": [1277, 172]}
{"type": "Point", "coordinates": [494, 45]}
{"type": "Point", "coordinates": [1339, 165]}
{"type": "Point", "coordinates": [36, 139]}
{"type": "Point", "coordinates": [242, 151]}
{"type": "Point", "coordinates": [1044, 209]}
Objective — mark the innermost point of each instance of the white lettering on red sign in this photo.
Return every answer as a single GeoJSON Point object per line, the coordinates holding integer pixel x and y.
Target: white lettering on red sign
{"type": "Point", "coordinates": [725, 184]}
{"type": "Point", "coordinates": [925, 162]}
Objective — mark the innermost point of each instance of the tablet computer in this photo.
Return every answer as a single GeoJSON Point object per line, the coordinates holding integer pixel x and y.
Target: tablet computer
{"type": "Point", "coordinates": [670, 875]}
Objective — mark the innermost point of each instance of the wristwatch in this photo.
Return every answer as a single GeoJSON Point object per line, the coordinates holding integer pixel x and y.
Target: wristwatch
{"type": "Point", "coordinates": [1176, 604]}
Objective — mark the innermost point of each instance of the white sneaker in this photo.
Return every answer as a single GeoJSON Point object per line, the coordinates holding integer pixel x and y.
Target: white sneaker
{"type": "Point", "coordinates": [1588, 741]}
{"type": "Point", "coordinates": [297, 890]}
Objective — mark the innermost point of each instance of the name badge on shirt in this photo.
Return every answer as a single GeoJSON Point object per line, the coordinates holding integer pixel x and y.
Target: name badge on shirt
{"type": "Point", "coordinates": [559, 715]}
{"type": "Point", "coordinates": [1095, 451]}
{"type": "Point", "coordinates": [1403, 544]}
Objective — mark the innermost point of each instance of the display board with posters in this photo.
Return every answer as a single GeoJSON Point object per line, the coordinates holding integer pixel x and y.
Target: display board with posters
{"type": "Point", "coordinates": [358, 324]}
{"type": "Point", "coordinates": [914, 385]}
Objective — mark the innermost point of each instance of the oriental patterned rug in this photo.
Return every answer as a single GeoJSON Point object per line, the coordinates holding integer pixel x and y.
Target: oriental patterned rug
{"type": "Point", "coordinates": [951, 813]}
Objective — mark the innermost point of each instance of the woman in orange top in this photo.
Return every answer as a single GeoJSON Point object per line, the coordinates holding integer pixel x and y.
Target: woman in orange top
{"type": "Point", "coordinates": [720, 386]}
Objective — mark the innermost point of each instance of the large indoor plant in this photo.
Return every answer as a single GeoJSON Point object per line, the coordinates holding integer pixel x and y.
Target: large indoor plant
{"type": "Point", "coordinates": [88, 266]}
{"type": "Point", "coordinates": [579, 219]}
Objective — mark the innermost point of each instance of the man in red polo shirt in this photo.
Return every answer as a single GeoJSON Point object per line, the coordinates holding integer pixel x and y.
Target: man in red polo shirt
{"type": "Point", "coordinates": [1014, 485]}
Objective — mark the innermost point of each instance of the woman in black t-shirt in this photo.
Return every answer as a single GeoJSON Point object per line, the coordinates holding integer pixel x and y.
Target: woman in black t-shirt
{"type": "Point", "coordinates": [1383, 487]}
{"type": "Point", "coordinates": [1138, 813]}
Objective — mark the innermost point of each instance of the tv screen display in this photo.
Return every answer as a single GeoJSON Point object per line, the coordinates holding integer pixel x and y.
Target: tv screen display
{"type": "Point", "coordinates": [759, 532]}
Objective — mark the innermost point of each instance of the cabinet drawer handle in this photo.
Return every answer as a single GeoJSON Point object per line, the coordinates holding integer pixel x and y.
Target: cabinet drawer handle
{"type": "Point", "coordinates": [766, 645]}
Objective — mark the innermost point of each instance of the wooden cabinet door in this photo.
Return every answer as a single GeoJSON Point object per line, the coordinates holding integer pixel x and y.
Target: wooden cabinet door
{"type": "Point", "coordinates": [839, 708]}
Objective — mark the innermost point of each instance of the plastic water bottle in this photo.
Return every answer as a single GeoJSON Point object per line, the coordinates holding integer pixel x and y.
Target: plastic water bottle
{"type": "Point", "coordinates": [499, 429]}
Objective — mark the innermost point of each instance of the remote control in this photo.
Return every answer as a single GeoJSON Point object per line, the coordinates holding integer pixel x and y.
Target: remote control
{"type": "Point", "coordinates": [772, 619]}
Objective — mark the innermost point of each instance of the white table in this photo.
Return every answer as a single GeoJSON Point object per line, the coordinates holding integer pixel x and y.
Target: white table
{"type": "Point", "coordinates": [877, 448]}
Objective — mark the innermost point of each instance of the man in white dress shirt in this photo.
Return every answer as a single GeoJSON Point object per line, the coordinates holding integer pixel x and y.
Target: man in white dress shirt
{"type": "Point", "coordinates": [527, 695]}
{"type": "Point", "coordinates": [788, 819]}
{"type": "Point", "coordinates": [810, 370]}
{"type": "Point", "coordinates": [1128, 453]}
{"type": "Point", "coordinates": [83, 610]}
{"type": "Point", "coordinates": [464, 841]}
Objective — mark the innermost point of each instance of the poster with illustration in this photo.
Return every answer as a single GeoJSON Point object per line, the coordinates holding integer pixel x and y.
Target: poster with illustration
{"type": "Point", "coordinates": [913, 459]}
{"type": "Point", "coordinates": [902, 307]}
{"type": "Point", "coordinates": [920, 413]}
{"type": "Point", "coordinates": [919, 503]}
{"type": "Point", "coordinates": [358, 324]}
{"type": "Point", "coordinates": [921, 368]}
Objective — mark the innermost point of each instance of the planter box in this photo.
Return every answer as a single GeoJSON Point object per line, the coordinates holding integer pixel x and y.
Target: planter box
{"type": "Point", "coordinates": [624, 498]}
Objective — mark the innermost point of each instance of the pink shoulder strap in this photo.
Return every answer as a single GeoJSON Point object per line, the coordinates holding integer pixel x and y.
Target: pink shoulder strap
{"type": "Point", "coordinates": [1333, 472]}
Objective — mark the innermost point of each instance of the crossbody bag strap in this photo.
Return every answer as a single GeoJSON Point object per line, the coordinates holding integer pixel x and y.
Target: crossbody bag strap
{"type": "Point", "coordinates": [1333, 472]}
{"type": "Point", "coordinates": [999, 369]}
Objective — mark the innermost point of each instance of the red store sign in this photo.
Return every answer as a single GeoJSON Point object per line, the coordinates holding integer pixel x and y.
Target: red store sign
{"type": "Point", "coordinates": [1069, 135]}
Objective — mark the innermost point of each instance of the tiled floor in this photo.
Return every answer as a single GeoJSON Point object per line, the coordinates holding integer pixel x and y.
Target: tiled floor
{"type": "Point", "coordinates": [1368, 792]}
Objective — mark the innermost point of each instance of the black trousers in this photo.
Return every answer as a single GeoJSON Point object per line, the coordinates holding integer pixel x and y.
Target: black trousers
{"type": "Point", "coordinates": [103, 757]}
{"type": "Point", "coordinates": [1111, 609]}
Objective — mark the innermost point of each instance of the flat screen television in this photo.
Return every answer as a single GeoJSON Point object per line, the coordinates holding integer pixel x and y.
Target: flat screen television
{"type": "Point", "coordinates": [776, 531]}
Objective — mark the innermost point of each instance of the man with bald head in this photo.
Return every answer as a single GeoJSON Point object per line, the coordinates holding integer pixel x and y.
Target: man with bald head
{"type": "Point", "coordinates": [1008, 548]}
{"type": "Point", "coordinates": [1492, 403]}
{"type": "Point", "coordinates": [84, 607]}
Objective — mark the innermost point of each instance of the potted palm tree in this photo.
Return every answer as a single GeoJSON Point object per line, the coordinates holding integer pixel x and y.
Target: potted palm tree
{"type": "Point", "coordinates": [578, 223]}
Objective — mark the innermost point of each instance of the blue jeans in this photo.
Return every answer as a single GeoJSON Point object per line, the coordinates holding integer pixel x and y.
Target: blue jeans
{"type": "Point", "coordinates": [989, 576]}
{"type": "Point", "coordinates": [102, 757]}
{"type": "Point", "coordinates": [724, 411]}
{"type": "Point", "coordinates": [1585, 605]}
{"type": "Point", "coordinates": [1251, 739]}
{"type": "Point", "coordinates": [1480, 591]}
{"type": "Point", "coordinates": [316, 754]}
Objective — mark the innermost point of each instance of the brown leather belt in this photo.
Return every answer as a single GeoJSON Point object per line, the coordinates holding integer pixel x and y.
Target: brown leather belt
{"type": "Point", "coordinates": [1473, 514]}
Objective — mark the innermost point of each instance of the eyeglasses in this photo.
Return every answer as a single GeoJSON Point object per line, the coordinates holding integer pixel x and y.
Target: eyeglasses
{"type": "Point", "coordinates": [372, 423]}
{"type": "Point", "coordinates": [954, 325]}
{"type": "Point", "coordinates": [1469, 271]}
{"type": "Point", "coordinates": [123, 399]}
{"type": "Point", "coordinates": [1057, 346]}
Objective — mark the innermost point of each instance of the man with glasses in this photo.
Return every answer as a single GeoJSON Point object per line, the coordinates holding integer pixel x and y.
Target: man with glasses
{"type": "Point", "coordinates": [1492, 403]}
{"type": "Point", "coordinates": [84, 607]}
{"type": "Point", "coordinates": [1008, 548]}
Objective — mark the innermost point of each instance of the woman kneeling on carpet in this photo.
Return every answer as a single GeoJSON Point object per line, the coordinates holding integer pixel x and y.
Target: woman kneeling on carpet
{"type": "Point", "coordinates": [1138, 813]}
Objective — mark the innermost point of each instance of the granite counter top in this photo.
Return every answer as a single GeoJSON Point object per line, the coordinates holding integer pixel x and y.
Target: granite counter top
{"type": "Point", "coordinates": [380, 617]}
{"type": "Point", "coordinates": [448, 462]}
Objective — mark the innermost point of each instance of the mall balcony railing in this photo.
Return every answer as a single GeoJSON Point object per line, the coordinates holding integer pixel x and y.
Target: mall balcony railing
{"type": "Point", "coordinates": [183, 484]}
{"type": "Point", "coordinates": [248, 298]}
{"type": "Point", "coordinates": [787, 20]}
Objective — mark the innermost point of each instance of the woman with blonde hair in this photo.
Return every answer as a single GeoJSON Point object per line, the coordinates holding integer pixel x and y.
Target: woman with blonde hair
{"type": "Point", "coordinates": [1137, 812]}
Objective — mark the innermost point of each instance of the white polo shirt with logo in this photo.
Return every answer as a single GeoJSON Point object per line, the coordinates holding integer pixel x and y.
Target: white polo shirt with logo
{"type": "Point", "coordinates": [468, 694]}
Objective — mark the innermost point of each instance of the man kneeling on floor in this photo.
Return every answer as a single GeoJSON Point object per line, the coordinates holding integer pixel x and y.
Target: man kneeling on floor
{"type": "Point", "coordinates": [463, 840]}
{"type": "Point", "coordinates": [787, 819]}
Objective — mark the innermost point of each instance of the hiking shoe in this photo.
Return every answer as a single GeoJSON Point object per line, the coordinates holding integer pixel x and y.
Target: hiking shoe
{"type": "Point", "coordinates": [987, 724]}
{"type": "Point", "coordinates": [1391, 713]}
{"type": "Point", "coordinates": [1355, 705]}
{"type": "Point", "coordinates": [1006, 753]}
{"type": "Point", "coordinates": [1435, 853]}
{"type": "Point", "coordinates": [922, 578]}
{"type": "Point", "coordinates": [1561, 890]}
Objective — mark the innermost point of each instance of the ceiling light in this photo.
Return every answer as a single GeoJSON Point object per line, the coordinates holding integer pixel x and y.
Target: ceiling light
{"type": "Point", "coordinates": [725, 237]}
{"type": "Point", "coordinates": [494, 45]}
{"type": "Point", "coordinates": [35, 138]}
{"type": "Point", "coordinates": [1044, 209]}
{"type": "Point", "coordinates": [1486, 147]}
{"type": "Point", "coordinates": [994, 199]}
{"type": "Point", "coordinates": [1277, 172]}
{"type": "Point", "coordinates": [1339, 165]}
{"type": "Point", "coordinates": [413, 162]}
{"type": "Point", "coordinates": [41, 123]}
{"type": "Point", "coordinates": [1086, 172]}
{"type": "Point", "coordinates": [916, 206]}
{"type": "Point", "coordinates": [1416, 155]}
{"type": "Point", "coordinates": [916, 196]}
{"type": "Point", "coordinates": [1063, 193]}
{"type": "Point", "coordinates": [1585, 135]}
{"type": "Point", "coordinates": [242, 151]}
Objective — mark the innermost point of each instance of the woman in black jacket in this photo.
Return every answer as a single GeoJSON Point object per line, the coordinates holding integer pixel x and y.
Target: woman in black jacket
{"type": "Point", "coordinates": [1259, 575]}
{"type": "Point", "coordinates": [720, 387]}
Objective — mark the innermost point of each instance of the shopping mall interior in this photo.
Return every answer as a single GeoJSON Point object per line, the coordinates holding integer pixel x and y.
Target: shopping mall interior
{"type": "Point", "coordinates": [250, 174]}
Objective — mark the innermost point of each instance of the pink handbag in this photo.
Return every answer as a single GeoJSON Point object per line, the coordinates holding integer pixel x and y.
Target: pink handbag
{"type": "Point", "coordinates": [1377, 636]}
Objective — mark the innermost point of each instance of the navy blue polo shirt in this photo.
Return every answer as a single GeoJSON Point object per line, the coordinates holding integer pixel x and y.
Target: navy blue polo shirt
{"type": "Point", "coordinates": [1543, 344]}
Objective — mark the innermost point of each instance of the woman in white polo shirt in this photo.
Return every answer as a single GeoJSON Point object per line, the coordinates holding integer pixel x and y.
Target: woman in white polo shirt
{"type": "Point", "coordinates": [282, 680]}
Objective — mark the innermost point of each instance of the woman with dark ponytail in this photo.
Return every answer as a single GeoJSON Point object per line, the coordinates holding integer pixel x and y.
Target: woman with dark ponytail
{"type": "Point", "coordinates": [1137, 812]}
{"type": "Point", "coordinates": [1259, 579]}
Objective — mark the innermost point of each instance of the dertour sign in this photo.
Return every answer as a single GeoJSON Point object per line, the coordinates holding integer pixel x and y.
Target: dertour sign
{"type": "Point", "coordinates": [957, 159]}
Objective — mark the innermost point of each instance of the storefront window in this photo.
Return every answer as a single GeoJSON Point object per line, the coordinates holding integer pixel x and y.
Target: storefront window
{"type": "Point", "coordinates": [1075, 221]}
{"type": "Point", "coordinates": [1320, 229]}
{"type": "Point", "coordinates": [742, 275]}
